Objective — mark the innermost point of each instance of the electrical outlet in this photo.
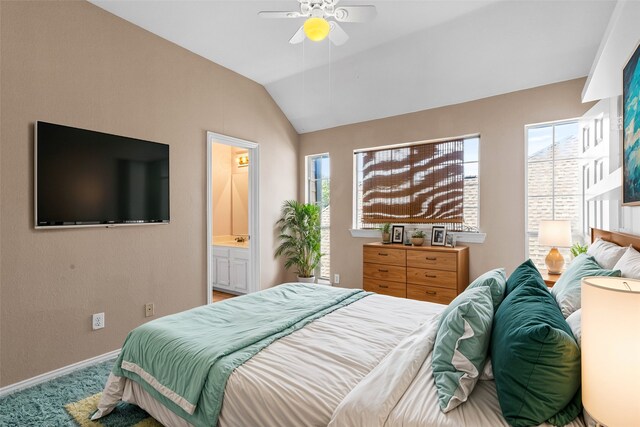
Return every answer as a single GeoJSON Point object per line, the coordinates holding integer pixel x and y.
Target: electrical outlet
{"type": "Point", "coordinates": [97, 321]}
{"type": "Point", "coordinates": [336, 278]}
{"type": "Point", "coordinates": [149, 309]}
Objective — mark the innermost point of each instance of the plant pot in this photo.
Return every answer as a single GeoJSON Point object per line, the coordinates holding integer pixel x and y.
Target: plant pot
{"type": "Point", "coordinates": [311, 279]}
{"type": "Point", "coordinates": [386, 237]}
{"type": "Point", "coordinates": [417, 241]}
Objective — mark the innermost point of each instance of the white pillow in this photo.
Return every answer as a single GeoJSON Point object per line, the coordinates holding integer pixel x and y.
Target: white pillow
{"type": "Point", "coordinates": [606, 253]}
{"type": "Point", "coordinates": [629, 264]}
{"type": "Point", "coordinates": [575, 323]}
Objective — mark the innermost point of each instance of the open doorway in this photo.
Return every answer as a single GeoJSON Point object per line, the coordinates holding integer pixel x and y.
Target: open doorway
{"type": "Point", "coordinates": [233, 261]}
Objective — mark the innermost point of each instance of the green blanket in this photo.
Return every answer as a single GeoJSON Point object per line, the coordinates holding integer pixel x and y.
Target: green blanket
{"type": "Point", "coordinates": [184, 360]}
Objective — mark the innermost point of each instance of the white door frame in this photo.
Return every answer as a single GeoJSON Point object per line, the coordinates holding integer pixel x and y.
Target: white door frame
{"type": "Point", "coordinates": [254, 203]}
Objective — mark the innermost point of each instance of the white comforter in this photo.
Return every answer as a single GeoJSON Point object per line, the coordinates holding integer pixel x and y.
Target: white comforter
{"type": "Point", "coordinates": [367, 364]}
{"type": "Point", "coordinates": [300, 379]}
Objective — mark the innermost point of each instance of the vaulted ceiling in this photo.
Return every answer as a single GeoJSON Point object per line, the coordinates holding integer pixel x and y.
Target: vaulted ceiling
{"type": "Point", "coordinates": [415, 55]}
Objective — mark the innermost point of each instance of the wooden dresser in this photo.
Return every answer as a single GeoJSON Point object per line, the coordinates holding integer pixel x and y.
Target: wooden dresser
{"type": "Point", "coordinates": [427, 273]}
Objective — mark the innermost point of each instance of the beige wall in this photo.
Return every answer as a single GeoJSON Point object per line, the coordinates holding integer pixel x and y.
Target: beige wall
{"type": "Point", "coordinates": [75, 64]}
{"type": "Point", "coordinates": [239, 194]}
{"type": "Point", "coordinates": [221, 160]}
{"type": "Point", "coordinates": [240, 203]}
{"type": "Point", "coordinates": [229, 191]}
{"type": "Point", "coordinates": [500, 121]}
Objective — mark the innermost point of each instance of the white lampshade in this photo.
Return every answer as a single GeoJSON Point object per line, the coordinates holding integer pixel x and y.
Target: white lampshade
{"type": "Point", "coordinates": [555, 233]}
{"type": "Point", "coordinates": [611, 350]}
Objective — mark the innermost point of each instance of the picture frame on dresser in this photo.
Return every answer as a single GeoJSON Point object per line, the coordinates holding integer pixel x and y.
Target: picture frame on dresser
{"type": "Point", "coordinates": [450, 241]}
{"type": "Point", "coordinates": [397, 234]}
{"type": "Point", "coordinates": [438, 235]}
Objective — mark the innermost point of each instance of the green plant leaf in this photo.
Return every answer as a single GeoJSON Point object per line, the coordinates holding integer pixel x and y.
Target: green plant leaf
{"type": "Point", "coordinates": [300, 237]}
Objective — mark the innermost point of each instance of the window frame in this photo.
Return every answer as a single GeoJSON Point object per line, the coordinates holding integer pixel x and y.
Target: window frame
{"type": "Point", "coordinates": [554, 123]}
{"type": "Point", "coordinates": [354, 205]}
{"type": "Point", "coordinates": [307, 193]}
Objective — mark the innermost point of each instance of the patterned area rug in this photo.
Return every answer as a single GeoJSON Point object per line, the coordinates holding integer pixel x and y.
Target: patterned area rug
{"type": "Point", "coordinates": [123, 416]}
{"type": "Point", "coordinates": [63, 402]}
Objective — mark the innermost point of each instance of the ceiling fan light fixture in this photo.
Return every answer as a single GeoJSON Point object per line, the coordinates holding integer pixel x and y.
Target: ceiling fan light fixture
{"type": "Point", "coordinates": [316, 29]}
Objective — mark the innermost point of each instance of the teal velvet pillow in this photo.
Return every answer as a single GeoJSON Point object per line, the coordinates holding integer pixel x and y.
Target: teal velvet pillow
{"type": "Point", "coordinates": [568, 287]}
{"type": "Point", "coordinates": [525, 271]}
{"type": "Point", "coordinates": [462, 342]}
{"type": "Point", "coordinates": [536, 360]}
{"type": "Point", "coordinates": [496, 281]}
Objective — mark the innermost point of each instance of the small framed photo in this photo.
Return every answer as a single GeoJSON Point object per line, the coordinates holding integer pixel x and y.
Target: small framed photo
{"type": "Point", "coordinates": [397, 234]}
{"type": "Point", "coordinates": [451, 242]}
{"type": "Point", "coordinates": [438, 235]}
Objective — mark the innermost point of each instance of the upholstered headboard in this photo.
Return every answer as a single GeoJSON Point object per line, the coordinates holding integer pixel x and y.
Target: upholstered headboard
{"type": "Point", "coordinates": [621, 239]}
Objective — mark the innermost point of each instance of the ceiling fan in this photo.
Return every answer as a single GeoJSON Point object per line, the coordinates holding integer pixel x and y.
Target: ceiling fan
{"type": "Point", "coordinates": [318, 26]}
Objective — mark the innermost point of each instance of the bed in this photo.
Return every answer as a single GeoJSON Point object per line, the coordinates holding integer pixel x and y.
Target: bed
{"type": "Point", "coordinates": [364, 363]}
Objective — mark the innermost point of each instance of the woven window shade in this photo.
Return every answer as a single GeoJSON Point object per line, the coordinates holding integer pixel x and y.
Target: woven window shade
{"type": "Point", "coordinates": [416, 184]}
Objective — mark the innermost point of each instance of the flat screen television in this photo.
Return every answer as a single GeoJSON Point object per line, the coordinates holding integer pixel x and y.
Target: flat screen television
{"type": "Point", "coordinates": [86, 178]}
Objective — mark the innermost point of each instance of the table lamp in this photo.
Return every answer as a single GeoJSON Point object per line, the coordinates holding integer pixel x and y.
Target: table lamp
{"type": "Point", "coordinates": [555, 234]}
{"type": "Point", "coordinates": [611, 350]}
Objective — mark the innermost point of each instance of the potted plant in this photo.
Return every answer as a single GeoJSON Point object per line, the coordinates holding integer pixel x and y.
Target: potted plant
{"type": "Point", "coordinates": [386, 232]}
{"type": "Point", "coordinates": [578, 249]}
{"type": "Point", "coordinates": [299, 228]}
{"type": "Point", "coordinates": [417, 238]}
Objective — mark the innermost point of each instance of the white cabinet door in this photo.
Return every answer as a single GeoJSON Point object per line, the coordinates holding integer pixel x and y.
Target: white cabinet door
{"type": "Point", "coordinates": [239, 274]}
{"type": "Point", "coordinates": [230, 269]}
{"type": "Point", "coordinates": [239, 269]}
{"type": "Point", "coordinates": [220, 276]}
{"type": "Point", "coordinates": [223, 279]}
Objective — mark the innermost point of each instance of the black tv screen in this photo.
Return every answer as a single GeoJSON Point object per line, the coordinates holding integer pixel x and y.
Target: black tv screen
{"type": "Point", "coordinates": [85, 178]}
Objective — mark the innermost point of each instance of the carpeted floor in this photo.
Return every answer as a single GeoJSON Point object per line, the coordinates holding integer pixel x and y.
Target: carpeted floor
{"type": "Point", "coordinates": [44, 404]}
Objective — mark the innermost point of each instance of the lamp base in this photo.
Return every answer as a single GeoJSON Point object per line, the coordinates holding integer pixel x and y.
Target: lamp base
{"type": "Point", "coordinates": [554, 261]}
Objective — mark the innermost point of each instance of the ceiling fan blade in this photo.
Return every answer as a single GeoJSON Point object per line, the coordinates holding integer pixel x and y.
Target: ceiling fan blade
{"type": "Point", "coordinates": [298, 37]}
{"type": "Point", "coordinates": [271, 15]}
{"type": "Point", "coordinates": [337, 34]}
{"type": "Point", "coordinates": [355, 13]}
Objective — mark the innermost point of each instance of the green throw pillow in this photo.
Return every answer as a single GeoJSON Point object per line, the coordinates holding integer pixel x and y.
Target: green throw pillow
{"type": "Point", "coordinates": [568, 287]}
{"type": "Point", "coordinates": [535, 359]}
{"type": "Point", "coordinates": [525, 271]}
{"type": "Point", "coordinates": [496, 280]}
{"type": "Point", "coordinates": [460, 349]}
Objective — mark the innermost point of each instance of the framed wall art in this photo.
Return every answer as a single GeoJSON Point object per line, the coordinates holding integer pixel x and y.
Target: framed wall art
{"type": "Point", "coordinates": [631, 131]}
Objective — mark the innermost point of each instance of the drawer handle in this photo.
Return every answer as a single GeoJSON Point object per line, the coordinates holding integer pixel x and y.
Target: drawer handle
{"type": "Point", "coordinates": [430, 258]}
{"type": "Point", "coordinates": [383, 286]}
{"type": "Point", "coordinates": [382, 254]}
{"type": "Point", "coordinates": [383, 271]}
{"type": "Point", "coordinates": [430, 275]}
{"type": "Point", "coordinates": [430, 292]}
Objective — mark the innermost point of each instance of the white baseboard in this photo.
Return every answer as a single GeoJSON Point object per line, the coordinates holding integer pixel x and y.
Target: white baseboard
{"type": "Point", "coordinates": [47, 376]}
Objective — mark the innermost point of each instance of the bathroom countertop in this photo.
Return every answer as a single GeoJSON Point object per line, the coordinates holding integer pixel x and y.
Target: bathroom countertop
{"type": "Point", "coordinates": [229, 242]}
{"type": "Point", "coordinates": [233, 244]}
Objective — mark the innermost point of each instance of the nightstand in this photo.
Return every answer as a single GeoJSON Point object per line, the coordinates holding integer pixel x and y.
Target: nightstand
{"type": "Point", "coordinates": [549, 279]}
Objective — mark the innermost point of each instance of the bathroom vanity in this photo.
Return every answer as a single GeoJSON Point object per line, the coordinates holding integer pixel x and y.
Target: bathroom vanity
{"type": "Point", "coordinates": [230, 265]}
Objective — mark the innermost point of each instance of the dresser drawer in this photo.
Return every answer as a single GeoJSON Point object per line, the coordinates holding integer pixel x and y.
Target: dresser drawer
{"type": "Point", "coordinates": [385, 272]}
{"type": "Point", "coordinates": [385, 256]}
{"type": "Point", "coordinates": [437, 278]}
{"type": "Point", "coordinates": [430, 293]}
{"type": "Point", "coordinates": [386, 288]}
{"type": "Point", "coordinates": [433, 260]}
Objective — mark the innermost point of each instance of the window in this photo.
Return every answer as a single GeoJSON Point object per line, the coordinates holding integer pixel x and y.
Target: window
{"type": "Point", "coordinates": [425, 183]}
{"type": "Point", "coordinates": [318, 193]}
{"type": "Point", "coordinates": [554, 174]}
